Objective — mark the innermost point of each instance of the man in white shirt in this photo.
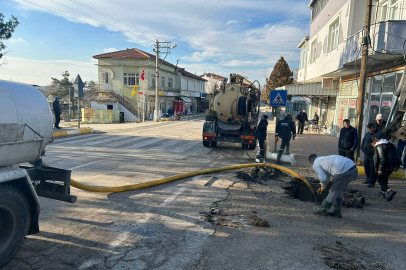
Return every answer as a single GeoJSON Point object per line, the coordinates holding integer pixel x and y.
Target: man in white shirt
{"type": "Point", "coordinates": [343, 171]}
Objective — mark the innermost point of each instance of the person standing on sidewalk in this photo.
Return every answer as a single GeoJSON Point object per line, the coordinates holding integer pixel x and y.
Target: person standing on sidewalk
{"type": "Point", "coordinates": [368, 151]}
{"type": "Point", "coordinates": [57, 111]}
{"type": "Point", "coordinates": [301, 117]}
{"type": "Point", "coordinates": [386, 161]}
{"type": "Point", "coordinates": [261, 135]}
{"type": "Point", "coordinates": [284, 130]}
{"type": "Point", "coordinates": [343, 171]}
{"type": "Point", "coordinates": [380, 122]}
{"type": "Point", "coordinates": [348, 141]}
{"type": "Point", "coordinates": [315, 119]}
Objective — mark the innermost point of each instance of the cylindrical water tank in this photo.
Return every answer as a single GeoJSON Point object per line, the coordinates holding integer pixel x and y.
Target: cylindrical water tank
{"type": "Point", "coordinates": [25, 123]}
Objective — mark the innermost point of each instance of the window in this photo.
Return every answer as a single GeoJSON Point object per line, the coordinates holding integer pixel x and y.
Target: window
{"type": "Point", "coordinates": [153, 80]}
{"type": "Point", "coordinates": [317, 6]}
{"type": "Point", "coordinates": [163, 81]}
{"type": "Point", "coordinates": [314, 51]}
{"type": "Point", "coordinates": [170, 82]}
{"type": "Point", "coordinates": [389, 10]}
{"type": "Point", "coordinates": [131, 79]}
{"type": "Point", "coordinates": [302, 57]}
{"type": "Point", "coordinates": [333, 35]}
{"type": "Point", "coordinates": [109, 107]}
{"type": "Point", "coordinates": [104, 77]}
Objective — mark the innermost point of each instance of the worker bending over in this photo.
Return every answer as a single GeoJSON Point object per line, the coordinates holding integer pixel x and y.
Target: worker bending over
{"type": "Point", "coordinates": [343, 171]}
{"type": "Point", "coordinates": [284, 130]}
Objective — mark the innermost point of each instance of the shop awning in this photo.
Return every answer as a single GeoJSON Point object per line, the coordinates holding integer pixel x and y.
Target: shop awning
{"type": "Point", "coordinates": [185, 99]}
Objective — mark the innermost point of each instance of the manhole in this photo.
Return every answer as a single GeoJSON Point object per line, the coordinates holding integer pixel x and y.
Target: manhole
{"type": "Point", "coordinates": [298, 190]}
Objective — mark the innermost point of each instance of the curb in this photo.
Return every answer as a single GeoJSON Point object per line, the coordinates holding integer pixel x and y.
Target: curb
{"type": "Point", "coordinates": [72, 132]}
{"type": "Point", "coordinates": [400, 174]}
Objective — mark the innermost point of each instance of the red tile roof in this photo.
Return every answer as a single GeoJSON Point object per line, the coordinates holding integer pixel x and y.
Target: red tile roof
{"type": "Point", "coordinates": [138, 54]}
{"type": "Point", "coordinates": [213, 76]}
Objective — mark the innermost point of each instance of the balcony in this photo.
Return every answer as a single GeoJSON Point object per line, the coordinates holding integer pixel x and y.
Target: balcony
{"type": "Point", "coordinates": [165, 88]}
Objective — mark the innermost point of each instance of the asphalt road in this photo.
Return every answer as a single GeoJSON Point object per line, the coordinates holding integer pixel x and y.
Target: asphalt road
{"type": "Point", "coordinates": [154, 228]}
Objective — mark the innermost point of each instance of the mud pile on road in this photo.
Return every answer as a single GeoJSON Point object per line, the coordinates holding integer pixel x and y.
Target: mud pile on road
{"type": "Point", "coordinates": [343, 256]}
{"type": "Point", "coordinates": [353, 198]}
{"type": "Point", "coordinates": [258, 174]}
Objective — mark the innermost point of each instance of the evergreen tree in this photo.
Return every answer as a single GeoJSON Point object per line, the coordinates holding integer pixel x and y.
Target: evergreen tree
{"type": "Point", "coordinates": [281, 75]}
{"type": "Point", "coordinates": [63, 86]}
{"type": "Point", "coordinates": [6, 30]}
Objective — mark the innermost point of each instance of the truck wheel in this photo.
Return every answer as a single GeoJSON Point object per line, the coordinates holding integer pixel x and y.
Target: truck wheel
{"type": "Point", "coordinates": [15, 218]}
{"type": "Point", "coordinates": [251, 146]}
{"type": "Point", "coordinates": [213, 144]}
{"type": "Point", "coordinates": [206, 143]}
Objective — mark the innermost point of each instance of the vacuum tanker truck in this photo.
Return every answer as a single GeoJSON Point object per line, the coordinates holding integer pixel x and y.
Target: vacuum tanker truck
{"type": "Point", "coordinates": [233, 113]}
{"type": "Point", "coordinates": [25, 130]}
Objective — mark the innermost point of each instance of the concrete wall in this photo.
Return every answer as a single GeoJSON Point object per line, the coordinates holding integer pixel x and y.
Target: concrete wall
{"type": "Point", "coordinates": [100, 116]}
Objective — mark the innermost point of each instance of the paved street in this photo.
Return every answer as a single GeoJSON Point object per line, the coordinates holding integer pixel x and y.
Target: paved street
{"type": "Point", "coordinates": [155, 228]}
{"type": "Point", "coordinates": [170, 226]}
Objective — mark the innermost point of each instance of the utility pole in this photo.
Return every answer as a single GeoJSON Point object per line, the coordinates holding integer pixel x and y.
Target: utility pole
{"type": "Point", "coordinates": [157, 46]}
{"type": "Point", "coordinates": [362, 79]}
{"type": "Point", "coordinates": [156, 116]}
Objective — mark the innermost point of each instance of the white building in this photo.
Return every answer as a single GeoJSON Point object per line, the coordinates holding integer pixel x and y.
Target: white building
{"type": "Point", "coordinates": [330, 58]}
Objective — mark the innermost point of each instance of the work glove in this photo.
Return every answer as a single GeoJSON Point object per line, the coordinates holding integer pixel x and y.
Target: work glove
{"type": "Point", "coordinates": [276, 139]}
{"type": "Point", "coordinates": [321, 189]}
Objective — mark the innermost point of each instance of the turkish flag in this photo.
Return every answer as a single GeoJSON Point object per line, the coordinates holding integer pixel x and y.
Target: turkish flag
{"type": "Point", "coordinates": [142, 75]}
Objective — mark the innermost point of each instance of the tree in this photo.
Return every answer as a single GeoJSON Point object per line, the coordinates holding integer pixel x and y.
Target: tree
{"type": "Point", "coordinates": [63, 86]}
{"type": "Point", "coordinates": [90, 93]}
{"type": "Point", "coordinates": [211, 85]}
{"type": "Point", "coordinates": [281, 75]}
{"type": "Point", "coordinates": [6, 30]}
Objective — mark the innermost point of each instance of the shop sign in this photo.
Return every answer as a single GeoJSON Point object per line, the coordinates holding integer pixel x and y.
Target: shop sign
{"type": "Point", "coordinates": [161, 93]}
{"type": "Point", "coordinates": [353, 103]}
{"type": "Point", "coordinates": [169, 94]}
{"type": "Point", "coordinates": [203, 95]}
{"type": "Point", "coordinates": [375, 103]}
{"type": "Point", "coordinates": [386, 104]}
{"type": "Point", "coordinates": [344, 102]}
{"type": "Point", "coordinates": [197, 94]}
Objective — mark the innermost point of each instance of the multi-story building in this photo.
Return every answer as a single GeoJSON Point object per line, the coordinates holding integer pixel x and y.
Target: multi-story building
{"type": "Point", "coordinates": [119, 71]}
{"type": "Point", "coordinates": [330, 59]}
{"type": "Point", "coordinates": [213, 81]}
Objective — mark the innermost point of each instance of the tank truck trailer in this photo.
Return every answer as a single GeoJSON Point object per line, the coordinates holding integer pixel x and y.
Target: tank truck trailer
{"type": "Point", "coordinates": [233, 113]}
{"type": "Point", "coordinates": [25, 130]}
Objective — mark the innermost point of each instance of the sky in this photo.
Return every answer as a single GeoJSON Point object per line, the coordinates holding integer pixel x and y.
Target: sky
{"type": "Point", "coordinates": [221, 36]}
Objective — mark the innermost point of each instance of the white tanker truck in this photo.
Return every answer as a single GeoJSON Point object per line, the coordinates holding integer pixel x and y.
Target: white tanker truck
{"type": "Point", "coordinates": [233, 114]}
{"type": "Point", "coordinates": [25, 130]}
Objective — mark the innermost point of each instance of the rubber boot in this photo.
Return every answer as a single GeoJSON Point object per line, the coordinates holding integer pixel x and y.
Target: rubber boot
{"type": "Point", "coordinates": [260, 154]}
{"type": "Point", "coordinates": [322, 210]}
{"type": "Point", "coordinates": [337, 206]}
{"type": "Point", "coordinates": [278, 159]}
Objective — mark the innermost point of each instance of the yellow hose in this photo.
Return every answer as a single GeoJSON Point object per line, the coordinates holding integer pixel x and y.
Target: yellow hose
{"type": "Point", "coordinates": [182, 176]}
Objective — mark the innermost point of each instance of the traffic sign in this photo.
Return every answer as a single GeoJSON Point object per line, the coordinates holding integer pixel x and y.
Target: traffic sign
{"type": "Point", "coordinates": [78, 87]}
{"type": "Point", "coordinates": [278, 98]}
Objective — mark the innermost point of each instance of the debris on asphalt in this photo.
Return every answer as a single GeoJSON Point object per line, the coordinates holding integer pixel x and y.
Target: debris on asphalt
{"type": "Point", "coordinates": [343, 257]}
{"type": "Point", "coordinates": [258, 174]}
{"type": "Point", "coordinates": [353, 198]}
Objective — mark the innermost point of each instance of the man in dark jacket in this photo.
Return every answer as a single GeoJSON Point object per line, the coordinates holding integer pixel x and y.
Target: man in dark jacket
{"type": "Point", "coordinates": [348, 141]}
{"type": "Point", "coordinates": [261, 135]}
{"type": "Point", "coordinates": [368, 151]}
{"type": "Point", "coordinates": [301, 117]}
{"type": "Point", "coordinates": [284, 130]}
{"type": "Point", "coordinates": [57, 112]}
{"type": "Point", "coordinates": [386, 161]}
{"type": "Point", "coordinates": [315, 119]}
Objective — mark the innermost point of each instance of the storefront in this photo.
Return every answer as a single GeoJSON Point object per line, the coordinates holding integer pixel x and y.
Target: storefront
{"type": "Point", "coordinates": [382, 89]}
{"type": "Point", "coordinates": [346, 104]}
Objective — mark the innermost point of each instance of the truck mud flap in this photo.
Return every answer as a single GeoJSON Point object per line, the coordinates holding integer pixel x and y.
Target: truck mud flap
{"type": "Point", "coordinates": [52, 183]}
